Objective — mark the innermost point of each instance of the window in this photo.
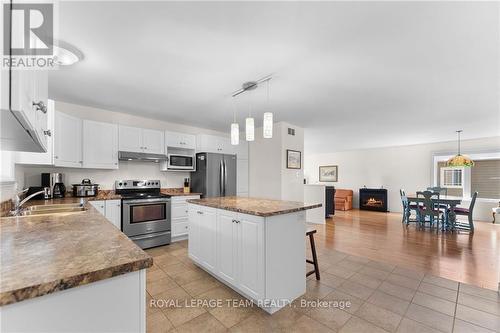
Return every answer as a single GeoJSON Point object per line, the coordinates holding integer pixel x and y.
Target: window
{"type": "Point", "coordinates": [451, 177]}
{"type": "Point", "coordinates": [483, 177]}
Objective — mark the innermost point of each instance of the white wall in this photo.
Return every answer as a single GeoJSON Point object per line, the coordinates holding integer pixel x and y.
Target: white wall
{"type": "Point", "coordinates": [268, 175]}
{"type": "Point", "coordinates": [292, 180]}
{"type": "Point", "coordinates": [264, 165]}
{"type": "Point", "coordinates": [407, 167]}
{"type": "Point", "coordinates": [30, 175]}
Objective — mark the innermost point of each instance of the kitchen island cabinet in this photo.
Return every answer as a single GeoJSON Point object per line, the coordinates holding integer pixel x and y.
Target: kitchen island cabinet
{"type": "Point", "coordinates": [255, 246]}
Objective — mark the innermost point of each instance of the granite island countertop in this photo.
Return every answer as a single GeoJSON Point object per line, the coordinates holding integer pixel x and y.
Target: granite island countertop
{"type": "Point", "coordinates": [47, 253]}
{"type": "Point", "coordinates": [255, 206]}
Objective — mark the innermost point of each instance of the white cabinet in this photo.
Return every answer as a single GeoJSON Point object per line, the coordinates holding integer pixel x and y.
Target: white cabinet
{"type": "Point", "coordinates": [111, 209]}
{"type": "Point", "coordinates": [67, 141]}
{"type": "Point", "coordinates": [180, 140]}
{"type": "Point", "coordinates": [113, 212]}
{"type": "Point", "coordinates": [99, 205]}
{"type": "Point", "coordinates": [179, 215]}
{"type": "Point", "coordinates": [213, 144]}
{"type": "Point", "coordinates": [100, 145]}
{"type": "Point", "coordinates": [238, 242]}
{"type": "Point", "coordinates": [153, 141]}
{"type": "Point", "coordinates": [23, 100]}
{"type": "Point", "coordinates": [227, 247]}
{"type": "Point", "coordinates": [130, 139]}
{"type": "Point", "coordinates": [46, 158]}
{"type": "Point", "coordinates": [251, 255]}
{"type": "Point", "coordinates": [141, 140]}
{"type": "Point", "coordinates": [262, 258]}
{"type": "Point", "coordinates": [202, 226]}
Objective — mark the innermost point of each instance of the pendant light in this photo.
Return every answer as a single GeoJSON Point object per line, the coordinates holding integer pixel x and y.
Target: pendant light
{"type": "Point", "coordinates": [249, 129]}
{"type": "Point", "coordinates": [267, 126]}
{"type": "Point", "coordinates": [235, 129]}
{"type": "Point", "coordinates": [459, 160]}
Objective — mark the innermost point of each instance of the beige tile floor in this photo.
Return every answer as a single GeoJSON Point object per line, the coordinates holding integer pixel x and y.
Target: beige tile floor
{"type": "Point", "coordinates": [383, 297]}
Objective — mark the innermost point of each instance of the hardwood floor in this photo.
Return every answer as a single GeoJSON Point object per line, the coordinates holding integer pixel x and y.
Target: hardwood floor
{"type": "Point", "coordinates": [470, 258]}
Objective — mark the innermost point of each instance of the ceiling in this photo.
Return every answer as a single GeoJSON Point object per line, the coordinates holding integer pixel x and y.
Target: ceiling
{"type": "Point", "coordinates": [354, 75]}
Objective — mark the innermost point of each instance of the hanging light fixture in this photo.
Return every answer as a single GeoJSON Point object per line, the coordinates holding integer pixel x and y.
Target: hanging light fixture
{"type": "Point", "coordinates": [459, 160]}
{"type": "Point", "coordinates": [235, 129]}
{"type": "Point", "coordinates": [249, 121]}
{"type": "Point", "coordinates": [235, 134]}
{"type": "Point", "coordinates": [267, 126]}
{"type": "Point", "coordinates": [249, 129]}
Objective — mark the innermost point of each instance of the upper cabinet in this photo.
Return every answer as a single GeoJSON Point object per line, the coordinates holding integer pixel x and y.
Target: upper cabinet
{"type": "Point", "coordinates": [67, 141]}
{"type": "Point", "coordinates": [100, 145]}
{"type": "Point", "coordinates": [23, 103]}
{"type": "Point", "coordinates": [180, 140]}
{"type": "Point", "coordinates": [140, 140]}
{"type": "Point", "coordinates": [153, 141]}
{"type": "Point", "coordinates": [213, 144]}
{"type": "Point", "coordinates": [46, 158]}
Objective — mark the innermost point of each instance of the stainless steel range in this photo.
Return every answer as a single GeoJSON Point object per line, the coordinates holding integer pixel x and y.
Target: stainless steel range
{"type": "Point", "coordinates": [145, 212]}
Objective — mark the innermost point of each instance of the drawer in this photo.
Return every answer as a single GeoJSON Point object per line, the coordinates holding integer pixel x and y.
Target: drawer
{"type": "Point", "coordinates": [180, 228]}
{"type": "Point", "coordinates": [183, 198]}
{"type": "Point", "coordinates": [179, 210]}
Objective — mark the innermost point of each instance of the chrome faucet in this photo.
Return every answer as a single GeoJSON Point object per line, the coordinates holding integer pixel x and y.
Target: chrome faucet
{"type": "Point", "coordinates": [18, 204]}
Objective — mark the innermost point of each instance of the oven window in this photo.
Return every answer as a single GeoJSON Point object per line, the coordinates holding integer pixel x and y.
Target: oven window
{"type": "Point", "coordinates": [145, 213]}
{"type": "Point", "coordinates": [181, 161]}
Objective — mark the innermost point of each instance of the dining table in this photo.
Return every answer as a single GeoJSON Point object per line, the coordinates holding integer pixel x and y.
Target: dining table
{"type": "Point", "coordinates": [443, 201]}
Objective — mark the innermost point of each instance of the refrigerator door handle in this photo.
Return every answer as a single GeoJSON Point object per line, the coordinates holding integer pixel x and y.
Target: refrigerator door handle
{"type": "Point", "coordinates": [221, 181]}
{"type": "Point", "coordinates": [225, 177]}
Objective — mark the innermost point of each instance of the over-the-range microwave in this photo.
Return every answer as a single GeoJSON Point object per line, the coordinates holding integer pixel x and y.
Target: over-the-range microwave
{"type": "Point", "coordinates": [180, 162]}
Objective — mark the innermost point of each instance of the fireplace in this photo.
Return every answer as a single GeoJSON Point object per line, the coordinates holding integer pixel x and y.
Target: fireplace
{"type": "Point", "coordinates": [373, 199]}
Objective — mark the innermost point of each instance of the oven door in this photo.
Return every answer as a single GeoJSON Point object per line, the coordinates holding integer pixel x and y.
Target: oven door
{"type": "Point", "coordinates": [144, 216]}
{"type": "Point", "coordinates": [180, 162]}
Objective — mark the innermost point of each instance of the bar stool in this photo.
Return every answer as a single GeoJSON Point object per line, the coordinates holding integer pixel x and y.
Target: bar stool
{"type": "Point", "coordinates": [310, 232]}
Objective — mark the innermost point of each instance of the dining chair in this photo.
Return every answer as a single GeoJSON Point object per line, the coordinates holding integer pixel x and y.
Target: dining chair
{"type": "Point", "coordinates": [407, 208]}
{"type": "Point", "coordinates": [440, 190]}
{"type": "Point", "coordinates": [430, 210]}
{"type": "Point", "coordinates": [467, 212]}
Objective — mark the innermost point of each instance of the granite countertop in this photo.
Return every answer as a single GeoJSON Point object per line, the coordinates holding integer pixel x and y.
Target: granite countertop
{"type": "Point", "coordinates": [254, 206]}
{"type": "Point", "coordinates": [47, 253]}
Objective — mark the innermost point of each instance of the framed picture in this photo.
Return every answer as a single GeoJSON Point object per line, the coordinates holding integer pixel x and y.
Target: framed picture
{"type": "Point", "coordinates": [293, 159]}
{"type": "Point", "coordinates": [328, 173]}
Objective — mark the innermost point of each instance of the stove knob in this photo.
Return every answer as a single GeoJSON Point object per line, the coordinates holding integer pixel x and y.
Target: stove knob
{"type": "Point", "coordinates": [149, 183]}
{"type": "Point", "coordinates": [125, 184]}
{"type": "Point", "coordinates": [156, 183]}
{"type": "Point", "coordinates": [119, 184]}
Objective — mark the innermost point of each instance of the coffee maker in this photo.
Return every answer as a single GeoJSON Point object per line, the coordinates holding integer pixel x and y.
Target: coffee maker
{"type": "Point", "coordinates": [55, 181]}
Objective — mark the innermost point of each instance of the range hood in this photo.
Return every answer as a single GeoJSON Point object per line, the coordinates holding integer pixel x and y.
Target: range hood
{"type": "Point", "coordinates": [131, 156]}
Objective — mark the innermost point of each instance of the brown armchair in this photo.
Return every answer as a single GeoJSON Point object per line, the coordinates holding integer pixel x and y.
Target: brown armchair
{"type": "Point", "coordinates": [343, 199]}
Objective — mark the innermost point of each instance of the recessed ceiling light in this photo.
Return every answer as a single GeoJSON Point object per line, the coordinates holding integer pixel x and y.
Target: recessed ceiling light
{"type": "Point", "coordinates": [66, 54]}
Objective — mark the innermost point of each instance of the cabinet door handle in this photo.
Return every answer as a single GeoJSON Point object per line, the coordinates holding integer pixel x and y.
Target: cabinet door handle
{"type": "Point", "coordinates": [81, 162]}
{"type": "Point", "coordinates": [40, 106]}
{"type": "Point", "coordinates": [56, 157]}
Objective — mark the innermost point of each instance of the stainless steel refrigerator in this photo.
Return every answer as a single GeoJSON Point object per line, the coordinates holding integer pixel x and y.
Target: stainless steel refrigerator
{"type": "Point", "coordinates": [215, 175]}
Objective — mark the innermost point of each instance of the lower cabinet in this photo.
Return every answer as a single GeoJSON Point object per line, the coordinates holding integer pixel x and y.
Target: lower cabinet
{"type": "Point", "coordinates": [179, 215]}
{"type": "Point", "coordinates": [230, 245]}
{"type": "Point", "coordinates": [111, 209]}
{"type": "Point", "coordinates": [202, 229]}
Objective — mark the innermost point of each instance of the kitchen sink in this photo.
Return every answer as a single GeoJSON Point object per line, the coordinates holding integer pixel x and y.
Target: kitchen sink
{"type": "Point", "coordinates": [53, 209]}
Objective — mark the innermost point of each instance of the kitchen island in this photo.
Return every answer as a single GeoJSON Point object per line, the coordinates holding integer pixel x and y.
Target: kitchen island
{"type": "Point", "coordinates": [70, 272]}
{"type": "Point", "coordinates": [255, 246]}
